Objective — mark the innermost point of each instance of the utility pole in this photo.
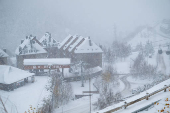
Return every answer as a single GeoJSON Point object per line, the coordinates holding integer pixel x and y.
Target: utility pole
{"type": "Point", "coordinates": [90, 92]}
{"type": "Point", "coordinates": [82, 85]}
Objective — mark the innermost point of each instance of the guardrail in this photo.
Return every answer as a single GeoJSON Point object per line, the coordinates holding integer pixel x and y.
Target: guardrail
{"type": "Point", "coordinates": [146, 107]}
{"type": "Point", "coordinates": [139, 99]}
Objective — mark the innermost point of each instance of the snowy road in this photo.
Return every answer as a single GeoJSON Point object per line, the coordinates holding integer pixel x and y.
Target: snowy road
{"type": "Point", "coordinates": [127, 87]}
{"type": "Point", "coordinates": [82, 105]}
{"type": "Point", "coordinates": [78, 106]}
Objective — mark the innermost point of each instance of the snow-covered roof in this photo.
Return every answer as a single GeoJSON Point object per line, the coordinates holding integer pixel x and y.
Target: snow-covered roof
{"type": "Point", "coordinates": [51, 61]}
{"type": "Point", "coordinates": [75, 44]}
{"type": "Point", "coordinates": [47, 40]}
{"type": "Point", "coordinates": [85, 47]}
{"type": "Point", "coordinates": [3, 54]}
{"type": "Point", "coordinates": [71, 41]}
{"type": "Point", "coordinates": [28, 49]}
{"type": "Point", "coordinates": [9, 74]}
{"type": "Point", "coordinates": [78, 44]}
{"type": "Point", "coordinates": [64, 41]}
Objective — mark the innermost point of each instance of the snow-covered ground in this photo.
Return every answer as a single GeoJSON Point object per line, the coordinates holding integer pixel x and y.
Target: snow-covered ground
{"type": "Point", "coordinates": [82, 105]}
{"type": "Point", "coordinates": [23, 97]}
{"type": "Point", "coordinates": [161, 61]}
{"type": "Point", "coordinates": [33, 93]}
{"type": "Point", "coordinates": [151, 35]}
{"type": "Point", "coordinates": [137, 82]}
{"type": "Point", "coordinates": [79, 105]}
{"type": "Point", "coordinates": [162, 95]}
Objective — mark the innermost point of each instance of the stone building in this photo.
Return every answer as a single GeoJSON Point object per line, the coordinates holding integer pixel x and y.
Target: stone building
{"type": "Point", "coordinates": [50, 45]}
{"type": "Point", "coordinates": [30, 48]}
{"type": "Point", "coordinates": [81, 49]}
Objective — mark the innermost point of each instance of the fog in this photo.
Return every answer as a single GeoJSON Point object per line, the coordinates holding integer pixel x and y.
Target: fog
{"type": "Point", "coordinates": [94, 18]}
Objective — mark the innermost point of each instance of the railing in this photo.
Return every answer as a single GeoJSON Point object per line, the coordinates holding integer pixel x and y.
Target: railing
{"type": "Point", "coordinates": [139, 99]}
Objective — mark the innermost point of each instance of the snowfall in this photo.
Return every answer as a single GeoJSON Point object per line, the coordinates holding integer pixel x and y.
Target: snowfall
{"type": "Point", "coordinates": [32, 94]}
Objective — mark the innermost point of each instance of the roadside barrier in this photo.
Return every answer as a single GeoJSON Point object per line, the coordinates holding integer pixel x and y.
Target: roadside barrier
{"type": "Point", "coordinates": [139, 99]}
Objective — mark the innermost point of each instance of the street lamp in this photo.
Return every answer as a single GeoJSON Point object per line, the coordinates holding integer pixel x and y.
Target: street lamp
{"type": "Point", "coordinates": [82, 81]}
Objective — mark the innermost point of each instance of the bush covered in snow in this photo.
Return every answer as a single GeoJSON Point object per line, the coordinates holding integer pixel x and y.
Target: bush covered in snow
{"type": "Point", "coordinates": [141, 69]}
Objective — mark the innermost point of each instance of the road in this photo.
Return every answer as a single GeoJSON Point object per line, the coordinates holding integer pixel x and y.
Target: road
{"type": "Point", "coordinates": [84, 108]}
{"type": "Point", "coordinates": [127, 87]}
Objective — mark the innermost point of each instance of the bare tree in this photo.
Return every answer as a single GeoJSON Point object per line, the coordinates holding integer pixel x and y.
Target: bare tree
{"type": "Point", "coordinates": [105, 84]}
{"type": "Point", "coordinates": [62, 91]}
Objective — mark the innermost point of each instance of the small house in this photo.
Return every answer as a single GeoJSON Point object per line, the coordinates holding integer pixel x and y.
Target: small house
{"type": "Point", "coordinates": [11, 77]}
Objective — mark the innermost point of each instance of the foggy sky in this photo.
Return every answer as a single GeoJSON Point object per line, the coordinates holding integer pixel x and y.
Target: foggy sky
{"type": "Point", "coordinates": [94, 18]}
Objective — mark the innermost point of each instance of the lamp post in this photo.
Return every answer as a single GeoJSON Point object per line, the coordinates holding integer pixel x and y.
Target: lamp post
{"type": "Point", "coordinates": [82, 81]}
{"type": "Point", "coordinates": [90, 92]}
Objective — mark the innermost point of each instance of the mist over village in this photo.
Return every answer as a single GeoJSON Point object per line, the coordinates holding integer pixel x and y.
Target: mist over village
{"type": "Point", "coordinates": [85, 56]}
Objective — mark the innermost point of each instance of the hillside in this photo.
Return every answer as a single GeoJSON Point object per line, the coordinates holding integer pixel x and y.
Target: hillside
{"type": "Point", "coordinates": [151, 34]}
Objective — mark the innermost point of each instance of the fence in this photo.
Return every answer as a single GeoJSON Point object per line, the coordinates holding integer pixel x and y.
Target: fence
{"type": "Point", "coordinates": [139, 99]}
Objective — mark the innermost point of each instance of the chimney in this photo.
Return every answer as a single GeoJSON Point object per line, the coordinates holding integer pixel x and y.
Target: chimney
{"type": "Point", "coordinates": [20, 50]}
{"type": "Point", "coordinates": [22, 41]}
{"type": "Point", "coordinates": [49, 38]}
{"type": "Point", "coordinates": [90, 41]}
{"type": "Point", "coordinates": [4, 50]}
{"type": "Point", "coordinates": [26, 37]}
{"type": "Point", "coordinates": [31, 43]}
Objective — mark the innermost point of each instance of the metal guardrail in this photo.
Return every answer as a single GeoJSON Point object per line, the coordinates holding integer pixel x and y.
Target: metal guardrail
{"type": "Point", "coordinates": [146, 107]}
{"type": "Point", "coordinates": [137, 100]}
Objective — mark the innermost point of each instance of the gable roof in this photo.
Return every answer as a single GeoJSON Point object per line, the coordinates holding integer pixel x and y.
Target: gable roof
{"type": "Point", "coordinates": [3, 54]}
{"type": "Point", "coordinates": [48, 41]}
{"type": "Point", "coordinates": [9, 74]}
{"type": "Point", "coordinates": [78, 44]}
{"type": "Point", "coordinates": [86, 47]}
{"type": "Point", "coordinates": [75, 37]}
{"type": "Point", "coordinates": [31, 44]}
{"type": "Point", "coordinates": [65, 41]}
{"type": "Point", "coordinates": [74, 45]}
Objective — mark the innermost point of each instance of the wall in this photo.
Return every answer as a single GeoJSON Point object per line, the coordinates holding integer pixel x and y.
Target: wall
{"type": "Point", "coordinates": [20, 58]}
{"type": "Point", "coordinates": [94, 59]}
{"type": "Point", "coordinates": [3, 60]}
